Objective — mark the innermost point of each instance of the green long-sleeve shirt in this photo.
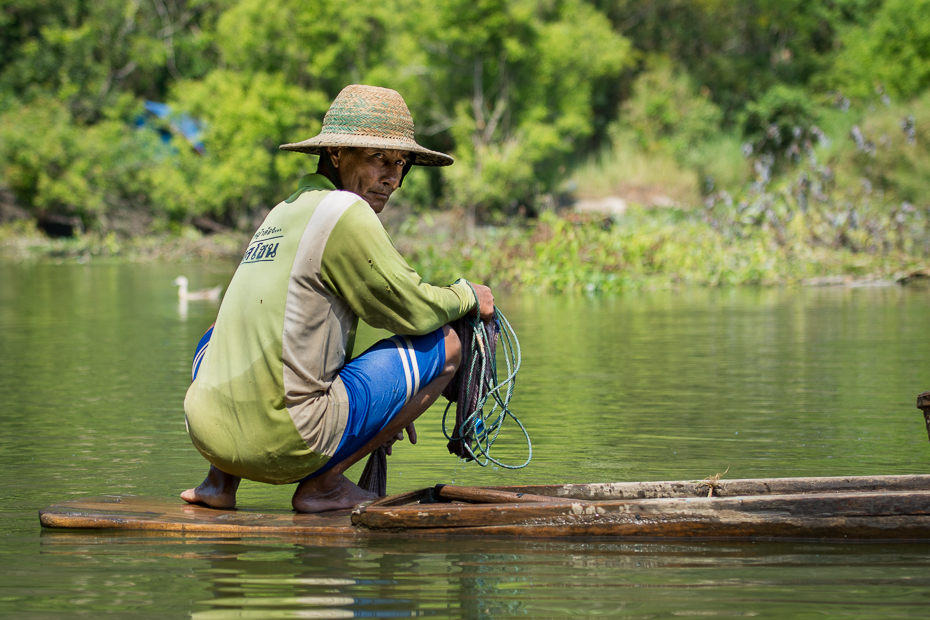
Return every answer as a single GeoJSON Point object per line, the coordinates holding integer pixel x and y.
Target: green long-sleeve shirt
{"type": "Point", "coordinates": [267, 403]}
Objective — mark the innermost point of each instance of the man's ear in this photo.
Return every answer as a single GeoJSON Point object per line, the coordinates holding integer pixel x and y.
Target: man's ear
{"type": "Point", "coordinates": [334, 154]}
{"type": "Point", "coordinates": [407, 167]}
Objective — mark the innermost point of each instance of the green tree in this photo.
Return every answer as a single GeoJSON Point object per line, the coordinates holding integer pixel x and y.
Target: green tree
{"type": "Point", "coordinates": [88, 53]}
{"type": "Point", "coordinates": [507, 87]}
{"type": "Point", "coordinates": [892, 53]}
{"type": "Point", "coordinates": [54, 167]}
{"type": "Point", "coordinates": [739, 50]}
{"type": "Point", "coordinates": [246, 118]}
{"type": "Point", "coordinates": [666, 110]}
{"type": "Point", "coordinates": [322, 45]}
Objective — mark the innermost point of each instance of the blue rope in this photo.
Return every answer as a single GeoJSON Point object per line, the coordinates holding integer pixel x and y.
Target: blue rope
{"type": "Point", "coordinates": [484, 428]}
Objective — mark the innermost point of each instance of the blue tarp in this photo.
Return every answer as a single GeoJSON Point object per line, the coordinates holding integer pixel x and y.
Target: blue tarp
{"type": "Point", "coordinates": [172, 124]}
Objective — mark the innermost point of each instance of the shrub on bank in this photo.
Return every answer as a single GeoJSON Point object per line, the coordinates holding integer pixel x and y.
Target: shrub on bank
{"type": "Point", "coordinates": [643, 249]}
{"type": "Point", "coordinates": [865, 190]}
{"type": "Point", "coordinates": [55, 167]}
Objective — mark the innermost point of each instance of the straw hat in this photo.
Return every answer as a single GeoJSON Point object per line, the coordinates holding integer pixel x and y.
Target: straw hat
{"type": "Point", "coordinates": [372, 117]}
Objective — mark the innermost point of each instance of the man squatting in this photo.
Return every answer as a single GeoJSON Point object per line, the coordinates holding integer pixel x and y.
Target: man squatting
{"type": "Point", "coordinates": [273, 399]}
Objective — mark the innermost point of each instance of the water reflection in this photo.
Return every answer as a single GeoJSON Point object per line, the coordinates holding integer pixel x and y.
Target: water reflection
{"type": "Point", "coordinates": [319, 578]}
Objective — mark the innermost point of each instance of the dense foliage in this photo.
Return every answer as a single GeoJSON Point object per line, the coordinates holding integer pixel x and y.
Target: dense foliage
{"type": "Point", "coordinates": [807, 117]}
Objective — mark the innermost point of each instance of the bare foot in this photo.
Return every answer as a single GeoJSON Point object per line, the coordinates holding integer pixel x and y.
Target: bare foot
{"type": "Point", "coordinates": [330, 491]}
{"type": "Point", "coordinates": [218, 490]}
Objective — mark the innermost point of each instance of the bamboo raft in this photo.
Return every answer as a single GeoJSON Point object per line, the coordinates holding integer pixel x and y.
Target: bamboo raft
{"type": "Point", "coordinates": [842, 508]}
{"type": "Point", "coordinates": [848, 508]}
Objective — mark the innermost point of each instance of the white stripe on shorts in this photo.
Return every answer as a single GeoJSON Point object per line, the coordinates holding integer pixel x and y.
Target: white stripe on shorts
{"type": "Point", "coordinates": [403, 360]}
{"type": "Point", "coordinates": [197, 359]}
{"type": "Point", "coordinates": [413, 364]}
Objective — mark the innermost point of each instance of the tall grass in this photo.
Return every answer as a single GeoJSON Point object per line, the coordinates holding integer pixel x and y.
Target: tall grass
{"type": "Point", "coordinates": [627, 171]}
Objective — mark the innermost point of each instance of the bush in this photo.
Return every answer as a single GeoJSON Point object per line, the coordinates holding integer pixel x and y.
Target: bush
{"type": "Point", "coordinates": [781, 124]}
{"type": "Point", "coordinates": [870, 196]}
{"type": "Point", "coordinates": [643, 249]}
{"type": "Point", "coordinates": [54, 166]}
{"type": "Point", "coordinates": [667, 110]}
{"type": "Point", "coordinates": [636, 175]}
{"type": "Point", "coordinates": [668, 113]}
{"type": "Point", "coordinates": [886, 156]}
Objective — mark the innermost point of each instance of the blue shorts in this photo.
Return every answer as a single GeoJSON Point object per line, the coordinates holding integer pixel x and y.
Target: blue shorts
{"type": "Point", "coordinates": [201, 349]}
{"type": "Point", "coordinates": [379, 383]}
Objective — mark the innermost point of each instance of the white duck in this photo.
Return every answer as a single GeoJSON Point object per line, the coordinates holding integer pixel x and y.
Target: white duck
{"type": "Point", "coordinates": [207, 294]}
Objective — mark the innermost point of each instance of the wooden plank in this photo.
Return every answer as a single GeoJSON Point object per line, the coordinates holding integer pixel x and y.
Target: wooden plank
{"type": "Point", "coordinates": [157, 514]}
{"type": "Point", "coordinates": [721, 527]}
{"type": "Point", "coordinates": [754, 512]}
{"type": "Point", "coordinates": [724, 488]}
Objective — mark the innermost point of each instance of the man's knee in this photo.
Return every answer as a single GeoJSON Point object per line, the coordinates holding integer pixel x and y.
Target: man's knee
{"type": "Point", "coordinates": [453, 349]}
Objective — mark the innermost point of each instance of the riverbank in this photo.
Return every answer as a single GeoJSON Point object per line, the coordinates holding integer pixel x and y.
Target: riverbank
{"type": "Point", "coordinates": [641, 249]}
{"type": "Point", "coordinates": [22, 242]}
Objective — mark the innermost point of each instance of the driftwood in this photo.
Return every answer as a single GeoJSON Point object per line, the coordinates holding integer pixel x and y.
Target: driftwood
{"type": "Point", "coordinates": [864, 508]}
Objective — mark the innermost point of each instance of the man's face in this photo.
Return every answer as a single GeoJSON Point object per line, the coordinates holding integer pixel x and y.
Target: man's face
{"type": "Point", "coordinates": [373, 174]}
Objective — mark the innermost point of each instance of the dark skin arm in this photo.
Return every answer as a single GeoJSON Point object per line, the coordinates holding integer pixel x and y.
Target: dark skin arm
{"type": "Point", "coordinates": [485, 301]}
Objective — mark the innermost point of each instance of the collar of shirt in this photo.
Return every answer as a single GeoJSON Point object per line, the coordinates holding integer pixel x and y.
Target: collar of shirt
{"type": "Point", "coordinates": [311, 182]}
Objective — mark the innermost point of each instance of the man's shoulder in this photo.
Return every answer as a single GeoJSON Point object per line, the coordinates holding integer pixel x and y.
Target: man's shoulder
{"type": "Point", "coordinates": [356, 215]}
{"type": "Point", "coordinates": [356, 234]}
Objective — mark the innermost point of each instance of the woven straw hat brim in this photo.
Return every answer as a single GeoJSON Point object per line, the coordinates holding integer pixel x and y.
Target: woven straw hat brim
{"type": "Point", "coordinates": [423, 156]}
{"type": "Point", "coordinates": [372, 117]}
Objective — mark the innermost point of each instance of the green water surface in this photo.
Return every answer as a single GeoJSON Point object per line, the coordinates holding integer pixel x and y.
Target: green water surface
{"type": "Point", "coordinates": [95, 359]}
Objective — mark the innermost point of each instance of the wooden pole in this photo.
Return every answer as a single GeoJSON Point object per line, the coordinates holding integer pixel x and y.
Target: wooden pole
{"type": "Point", "coordinates": [923, 403]}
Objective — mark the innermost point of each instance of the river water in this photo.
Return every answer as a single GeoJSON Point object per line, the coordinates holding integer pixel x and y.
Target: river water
{"type": "Point", "coordinates": [95, 359]}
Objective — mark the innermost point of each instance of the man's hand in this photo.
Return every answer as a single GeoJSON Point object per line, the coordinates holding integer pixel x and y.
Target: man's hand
{"type": "Point", "coordinates": [411, 434]}
{"type": "Point", "coordinates": [485, 301]}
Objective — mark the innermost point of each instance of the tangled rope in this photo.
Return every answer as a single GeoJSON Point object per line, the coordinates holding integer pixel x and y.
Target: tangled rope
{"type": "Point", "coordinates": [476, 383]}
{"type": "Point", "coordinates": [472, 386]}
